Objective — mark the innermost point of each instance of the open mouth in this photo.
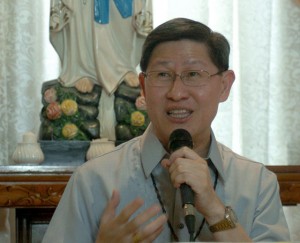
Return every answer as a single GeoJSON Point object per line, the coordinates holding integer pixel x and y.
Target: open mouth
{"type": "Point", "coordinates": [179, 114]}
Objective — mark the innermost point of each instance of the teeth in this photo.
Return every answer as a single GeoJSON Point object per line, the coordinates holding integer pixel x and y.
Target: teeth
{"type": "Point", "coordinates": [179, 113]}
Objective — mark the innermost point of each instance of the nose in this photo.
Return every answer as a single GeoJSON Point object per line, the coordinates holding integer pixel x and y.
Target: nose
{"type": "Point", "coordinates": [178, 90]}
{"type": "Point", "coordinates": [175, 77]}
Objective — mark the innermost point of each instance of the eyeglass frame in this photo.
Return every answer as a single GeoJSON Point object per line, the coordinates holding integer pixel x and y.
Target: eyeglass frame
{"type": "Point", "coordinates": [174, 75]}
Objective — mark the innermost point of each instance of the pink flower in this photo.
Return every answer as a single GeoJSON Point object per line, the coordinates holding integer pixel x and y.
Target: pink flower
{"type": "Point", "coordinates": [140, 103]}
{"type": "Point", "coordinates": [50, 95]}
{"type": "Point", "coordinates": [53, 111]}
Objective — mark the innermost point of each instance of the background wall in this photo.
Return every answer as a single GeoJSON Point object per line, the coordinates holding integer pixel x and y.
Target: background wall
{"type": "Point", "coordinates": [261, 118]}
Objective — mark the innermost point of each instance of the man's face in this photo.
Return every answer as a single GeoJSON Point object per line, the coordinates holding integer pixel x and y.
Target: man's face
{"type": "Point", "coordinates": [178, 105]}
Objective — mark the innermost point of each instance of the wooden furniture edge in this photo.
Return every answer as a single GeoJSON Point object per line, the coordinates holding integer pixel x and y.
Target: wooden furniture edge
{"type": "Point", "coordinates": [25, 187]}
{"type": "Point", "coordinates": [289, 182]}
{"type": "Point", "coordinates": [32, 188]}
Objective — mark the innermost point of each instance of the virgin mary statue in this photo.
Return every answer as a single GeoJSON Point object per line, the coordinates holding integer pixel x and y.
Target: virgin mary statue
{"type": "Point", "coordinates": [99, 41]}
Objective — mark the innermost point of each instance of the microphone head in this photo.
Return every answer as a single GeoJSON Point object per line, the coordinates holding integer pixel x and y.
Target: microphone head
{"type": "Point", "coordinates": [180, 138]}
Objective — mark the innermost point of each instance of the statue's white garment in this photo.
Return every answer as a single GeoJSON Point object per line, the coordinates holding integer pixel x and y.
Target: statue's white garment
{"type": "Point", "coordinates": [105, 53]}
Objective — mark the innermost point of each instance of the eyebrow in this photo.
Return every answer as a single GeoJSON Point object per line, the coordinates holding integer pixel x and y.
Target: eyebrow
{"type": "Point", "coordinates": [187, 62]}
{"type": "Point", "coordinates": [195, 61]}
{"type": "Point", "coordinates": [163, 62]}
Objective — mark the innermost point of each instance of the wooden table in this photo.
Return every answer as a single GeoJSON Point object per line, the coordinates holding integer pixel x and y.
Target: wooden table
{"type": "Point", "coordinates": [289, 182]}
{"type": "Point", "coordinates": [33, 186]}
{"type": "Point", "coordinates": [34, 191]}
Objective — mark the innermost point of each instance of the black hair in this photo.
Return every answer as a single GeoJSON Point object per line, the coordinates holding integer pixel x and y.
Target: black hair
{"type": "Point", "coordinates": [182, 28]}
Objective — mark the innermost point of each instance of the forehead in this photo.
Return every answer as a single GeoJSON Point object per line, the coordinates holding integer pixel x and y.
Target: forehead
{"type": "Point", "coordinates": [186, 52]}
{"type": "Point", "coordinates": [180, 44]}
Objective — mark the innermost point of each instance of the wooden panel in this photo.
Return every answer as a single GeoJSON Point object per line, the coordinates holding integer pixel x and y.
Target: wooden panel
{"type": "Point", "coordinates": [33, 195]}
{"type": "Point", "coordinates": [35, 191]}
{"type": "Point", "coordinates": [43, 186]}
{"type": "Point", "coordinates": [32, 186]}
{"type": "Point", "coordinates": [289, 182]}
{"type": "Point", "coordinates": [32, 224]}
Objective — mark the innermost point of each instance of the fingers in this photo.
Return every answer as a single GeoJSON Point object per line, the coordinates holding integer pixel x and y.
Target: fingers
{"type": "Point", "coordinates": [151, 231]}
{"type": "Point", "coordinates": [142, 231]}
{"type": "Point", "coordinates": [126, 213]}
{"type": "Point", "coordinates": [181, 153]}
{"type": "Point", "coordinates": [110, 210]}
{"type": "Point", "coordinates": [129, 210]}
{"type": "Point", "coordinates": [142, 218]}
{"type": "Point", "coordinates": [185, 166]}
{"type": "Point", "coordinates": [184, 152]}
{"type": "Point", "coordinates": [166, 163]}
{"type": "Point", "coordinates": [126, 227]}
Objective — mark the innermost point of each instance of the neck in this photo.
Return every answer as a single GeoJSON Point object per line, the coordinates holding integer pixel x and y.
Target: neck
{"type": "Point", "coordinates": [202, 148]}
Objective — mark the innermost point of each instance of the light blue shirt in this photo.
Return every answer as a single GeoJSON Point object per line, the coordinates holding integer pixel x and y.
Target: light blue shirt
{"type": "Point", "coordinates": [247, 186]}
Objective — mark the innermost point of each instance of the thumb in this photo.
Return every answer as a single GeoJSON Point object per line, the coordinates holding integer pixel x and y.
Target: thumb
{"type": "Point", "coordinates": [165, 163]}
{"type": "Point", "coordinates": [110, 210]}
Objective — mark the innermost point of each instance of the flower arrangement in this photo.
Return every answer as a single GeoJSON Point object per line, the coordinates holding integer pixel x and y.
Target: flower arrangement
{"type": "Point", "coordinates": [131, 114]}
{"type": "Point", "coordinates": [69, 114]}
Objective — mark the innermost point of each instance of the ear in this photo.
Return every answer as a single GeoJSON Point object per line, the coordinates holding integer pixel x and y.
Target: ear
{"type": "Point", "coordinates": [142, 84]}
{"type": "Point", "coordinates": [227, 81]}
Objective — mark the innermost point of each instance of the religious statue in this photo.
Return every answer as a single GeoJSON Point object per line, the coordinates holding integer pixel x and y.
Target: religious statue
{"type": "Point", "coordinates": [99, 44]}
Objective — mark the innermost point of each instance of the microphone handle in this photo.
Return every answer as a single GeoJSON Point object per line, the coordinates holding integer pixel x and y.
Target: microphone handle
{"type": "Point", "coordinates": [187, 197]}
{"type": "Point", "coordinates": [187, 194]}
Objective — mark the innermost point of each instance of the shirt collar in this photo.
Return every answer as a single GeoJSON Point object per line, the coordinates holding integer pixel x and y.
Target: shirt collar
{"type": "Point", "coordinates": [152, 152]}
{"type": "Point", "coordinates": [215, 156]}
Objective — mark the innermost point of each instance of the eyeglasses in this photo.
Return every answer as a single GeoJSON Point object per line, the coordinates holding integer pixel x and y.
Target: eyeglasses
{"type": "Point", "coordinates": [190, 78]}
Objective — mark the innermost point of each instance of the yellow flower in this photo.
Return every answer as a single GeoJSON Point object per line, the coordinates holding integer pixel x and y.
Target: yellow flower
{"type": "Point", "coordinates": [69, 131]}
{"type": "Point", "coordinates": [69, 107]}
{"type": "Point", "coordinates": [137, 119]}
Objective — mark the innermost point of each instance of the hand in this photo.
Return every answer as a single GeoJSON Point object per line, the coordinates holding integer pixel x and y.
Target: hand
{"type": "Point", "coordinates": [186, 166]}
{"type": "Point", "coordinates": [124, 228]}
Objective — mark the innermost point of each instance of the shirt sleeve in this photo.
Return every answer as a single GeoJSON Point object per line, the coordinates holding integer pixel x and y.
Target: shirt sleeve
{"type": "Point", "coordinates": [269, 222]}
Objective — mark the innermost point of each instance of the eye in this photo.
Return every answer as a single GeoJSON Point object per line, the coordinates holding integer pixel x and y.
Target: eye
{"type": "Point", "coordinates": [194, 74]}
{"type": "Point", "coordinates": [164, 75]}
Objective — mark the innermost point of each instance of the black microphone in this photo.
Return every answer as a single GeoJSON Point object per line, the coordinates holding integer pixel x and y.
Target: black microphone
{"type": "Point", "coordinates": [178, 139]}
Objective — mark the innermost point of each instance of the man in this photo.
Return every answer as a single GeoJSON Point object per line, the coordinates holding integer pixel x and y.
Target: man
{"type": "Point", "coordinates": [118, 197]}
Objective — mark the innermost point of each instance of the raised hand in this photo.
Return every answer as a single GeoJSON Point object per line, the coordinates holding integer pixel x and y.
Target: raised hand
{"type": "Point", "coordinates": [124, 227]}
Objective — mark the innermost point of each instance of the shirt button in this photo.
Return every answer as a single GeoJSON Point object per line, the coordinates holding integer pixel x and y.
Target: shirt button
{"type": "Point", "coordinates": [180, 226]}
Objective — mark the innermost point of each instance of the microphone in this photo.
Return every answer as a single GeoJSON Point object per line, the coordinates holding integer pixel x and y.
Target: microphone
{"type": "Point", "coordinates": [178, 139]}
